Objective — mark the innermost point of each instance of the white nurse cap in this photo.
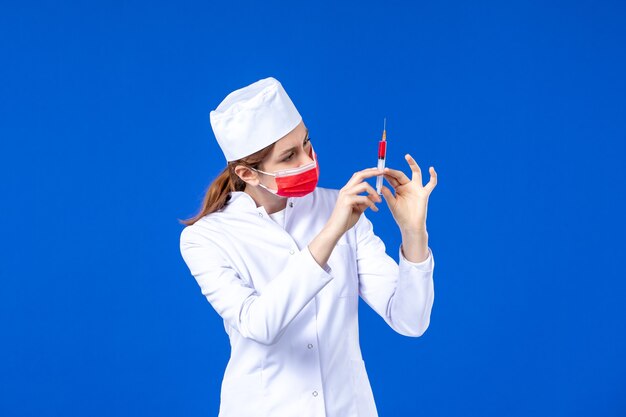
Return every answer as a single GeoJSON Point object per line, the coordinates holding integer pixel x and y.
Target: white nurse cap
{"type": "Point", "coordinates": [253, 117]}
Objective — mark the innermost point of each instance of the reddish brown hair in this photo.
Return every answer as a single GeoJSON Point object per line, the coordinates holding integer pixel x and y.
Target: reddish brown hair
{"type": "Point", "coordinates": [217, 194]}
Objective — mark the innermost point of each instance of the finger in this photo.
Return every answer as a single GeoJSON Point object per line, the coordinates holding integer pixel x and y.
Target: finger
{"type": "Point", "coordinates": [389, 198]}
{"type": "Point", "coordinates": [363, 200]}
{"type": "Point", "coordinates": [398, 175]}
{"type": "Point", "coordinates": [364, 174]}
{"type": "Point", "coordinates": [415, 168]}
{"type": "Point", "coordinates": [392, 181]}
{"type": "Point", "coordinates": [375, 198]}
{"type": "Point", "coordinates": [433, 179]}
{"type": "Point", "coordinates": [362, 187]}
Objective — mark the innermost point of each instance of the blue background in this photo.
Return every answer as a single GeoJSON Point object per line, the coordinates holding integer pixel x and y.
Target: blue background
{"type": "Point", "coordinates": [105, 142]}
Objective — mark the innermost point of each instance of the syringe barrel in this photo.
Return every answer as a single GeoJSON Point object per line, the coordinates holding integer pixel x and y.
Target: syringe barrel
{"type": "Point", "coordinates": [382, 149]}
{"type": "Point", "coordinates": [379, 178]}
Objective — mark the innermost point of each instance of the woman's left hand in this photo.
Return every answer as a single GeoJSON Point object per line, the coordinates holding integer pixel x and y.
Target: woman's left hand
{"type": "Point", "coordinates": [410, 204]}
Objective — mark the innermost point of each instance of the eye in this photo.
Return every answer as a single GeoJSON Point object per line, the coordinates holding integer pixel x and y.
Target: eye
{"type": "Point", "coordinates": [288, 158]}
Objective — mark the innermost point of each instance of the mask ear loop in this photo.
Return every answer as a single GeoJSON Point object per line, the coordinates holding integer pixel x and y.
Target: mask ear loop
{"type": "Point", "coordinates": [275, 192]}
{"type": "Point", "coordinates": [263, 172]}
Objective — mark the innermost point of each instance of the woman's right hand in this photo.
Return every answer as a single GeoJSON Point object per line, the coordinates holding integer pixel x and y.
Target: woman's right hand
{"type": "Point", "coordinates": [348, 208]}
{"type": "Point", "coordinates": [350, 205]}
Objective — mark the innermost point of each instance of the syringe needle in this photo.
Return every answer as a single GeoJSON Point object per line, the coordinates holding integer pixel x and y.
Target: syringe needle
{"type": "Point", "coordinates": [385, 128]}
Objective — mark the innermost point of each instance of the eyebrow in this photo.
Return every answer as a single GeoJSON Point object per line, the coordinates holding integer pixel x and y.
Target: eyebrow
{"type": "Point", "coordinates": [293, 148]}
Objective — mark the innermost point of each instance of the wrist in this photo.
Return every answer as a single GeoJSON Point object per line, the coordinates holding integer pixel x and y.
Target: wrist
{"type": "Point", "coordinates": [413, 233]}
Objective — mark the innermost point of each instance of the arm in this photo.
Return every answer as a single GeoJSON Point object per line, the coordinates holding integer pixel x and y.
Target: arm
{"type": "Point", "coordinates": [402, 294]}
{"type": "Point", "coordinates": [404, 297]}
{"type": "Point", "coordinates": [415, 245]}
{"type": "Point", "coordinates": [261, 317]}
{"type": "Point", "coordinates": [321, 247]}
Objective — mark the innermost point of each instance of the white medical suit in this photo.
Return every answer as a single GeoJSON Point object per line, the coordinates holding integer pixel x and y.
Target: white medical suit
{"type": "Point", "coordinates": [292, 324]}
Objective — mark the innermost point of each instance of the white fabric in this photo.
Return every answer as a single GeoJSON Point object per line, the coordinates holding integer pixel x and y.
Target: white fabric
{"type": "Point", "coordinates": [279, 217]}
{"type": "Point", "coordinates": [253, 117]}
{"type": "Point", "coordinates": [293, 325]}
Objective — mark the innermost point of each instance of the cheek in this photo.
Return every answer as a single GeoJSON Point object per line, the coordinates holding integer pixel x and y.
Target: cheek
{"type": "Point", "coordinates": [271, 182]}
{"type": "Point", "coordinates": [268, 181]}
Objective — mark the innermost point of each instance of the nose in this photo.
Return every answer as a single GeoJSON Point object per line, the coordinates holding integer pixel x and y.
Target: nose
{"type": "Point", "coordinates": [308, 158]}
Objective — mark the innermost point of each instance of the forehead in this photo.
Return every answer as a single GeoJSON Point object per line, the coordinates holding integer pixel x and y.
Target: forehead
{"type": "Point", "coordinates": [291, 140]}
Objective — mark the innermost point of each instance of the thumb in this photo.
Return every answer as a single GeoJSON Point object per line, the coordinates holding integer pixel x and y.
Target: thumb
{"type": "Point", "coordinates": [389, 198]}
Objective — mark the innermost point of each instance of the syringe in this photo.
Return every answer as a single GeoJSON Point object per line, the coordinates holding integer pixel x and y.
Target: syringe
{"type": "Point", "coordinates": [382, 156]}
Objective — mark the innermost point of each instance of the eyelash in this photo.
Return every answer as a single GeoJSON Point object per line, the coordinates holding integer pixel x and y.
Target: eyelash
{"type": "Point", "coordinates": [306, 142]}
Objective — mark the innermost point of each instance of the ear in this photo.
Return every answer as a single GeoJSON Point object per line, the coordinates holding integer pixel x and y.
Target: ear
{"type": "Point", "coordinates": [247, 175]}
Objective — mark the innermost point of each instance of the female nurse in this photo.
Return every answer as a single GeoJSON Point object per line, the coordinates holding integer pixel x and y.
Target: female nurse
{"type": "Point", "coordinates": [283, 262]}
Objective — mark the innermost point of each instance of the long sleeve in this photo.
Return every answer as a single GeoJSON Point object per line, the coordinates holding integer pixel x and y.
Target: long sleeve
{"type": "Point", "coordinates": [402, 294]}
{"type": "Point", "coordinates": [262, 317]}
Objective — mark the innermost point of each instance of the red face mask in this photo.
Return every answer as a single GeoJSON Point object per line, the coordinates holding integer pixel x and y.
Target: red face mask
{"type": "Point", "coordinates": [296, 182]}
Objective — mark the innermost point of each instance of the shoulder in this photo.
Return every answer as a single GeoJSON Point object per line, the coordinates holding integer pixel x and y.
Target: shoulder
{"type": "Point", "coordinates": [201, 231]}
{"type": "Point", "coordinates": [201, 243]}
{"type": "Point", "coordinates": [189, 235]}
